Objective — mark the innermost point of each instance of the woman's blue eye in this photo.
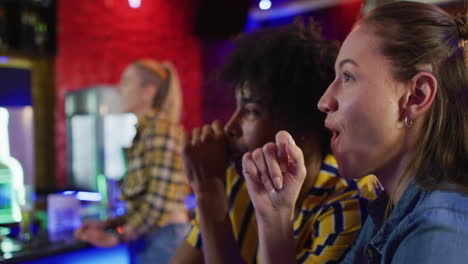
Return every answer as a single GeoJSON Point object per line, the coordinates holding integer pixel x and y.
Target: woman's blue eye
{"type": "Point", "coordinates": [347, 77]}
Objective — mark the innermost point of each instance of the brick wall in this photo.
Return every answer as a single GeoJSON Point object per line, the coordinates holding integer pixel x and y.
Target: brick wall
{"type": "Point", "coordinates": [97, 39]}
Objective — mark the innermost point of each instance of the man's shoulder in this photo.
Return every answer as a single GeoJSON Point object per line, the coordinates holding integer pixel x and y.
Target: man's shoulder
{"type": "Point", "coordinates": [329, 181]}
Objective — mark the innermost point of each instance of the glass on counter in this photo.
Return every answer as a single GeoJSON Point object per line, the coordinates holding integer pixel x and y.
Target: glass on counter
{"type": "Point", "coordinates": [26, 199]}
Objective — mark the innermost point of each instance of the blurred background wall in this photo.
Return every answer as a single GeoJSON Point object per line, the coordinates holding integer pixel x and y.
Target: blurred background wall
{"type": "Point", "coordinates": [97, 39]}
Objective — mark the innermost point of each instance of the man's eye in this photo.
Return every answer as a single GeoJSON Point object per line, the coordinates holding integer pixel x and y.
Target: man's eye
{"type": "Point", "coordinates": [247, 111]}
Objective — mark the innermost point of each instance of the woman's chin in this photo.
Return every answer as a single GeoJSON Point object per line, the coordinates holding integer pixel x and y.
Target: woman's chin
{"type": "Point", "coordinates": [347, 170]}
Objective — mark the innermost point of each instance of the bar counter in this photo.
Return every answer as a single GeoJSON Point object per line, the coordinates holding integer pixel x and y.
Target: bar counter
{"type": "Point", "coordinates": [59, 248]}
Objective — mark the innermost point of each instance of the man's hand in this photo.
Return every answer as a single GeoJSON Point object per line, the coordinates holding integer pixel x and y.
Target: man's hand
{"type": "Point", "coordinates": [206, 158]}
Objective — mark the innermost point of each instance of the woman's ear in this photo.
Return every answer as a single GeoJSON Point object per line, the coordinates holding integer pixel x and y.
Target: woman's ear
{"type": "Point", "coordinates": [423, 89]}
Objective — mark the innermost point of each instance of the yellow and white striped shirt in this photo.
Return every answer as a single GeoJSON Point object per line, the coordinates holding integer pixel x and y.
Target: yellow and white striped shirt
{"type": "Point", "coordinates": [327, 224]}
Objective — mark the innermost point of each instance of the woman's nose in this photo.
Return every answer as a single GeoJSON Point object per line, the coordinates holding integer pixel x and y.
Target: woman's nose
{"type": "Point", "coordinates": [328, 103]}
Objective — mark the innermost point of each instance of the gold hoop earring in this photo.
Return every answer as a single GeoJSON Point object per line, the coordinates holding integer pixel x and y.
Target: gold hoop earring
{"type": "Point", "coordinates": [409, 123]}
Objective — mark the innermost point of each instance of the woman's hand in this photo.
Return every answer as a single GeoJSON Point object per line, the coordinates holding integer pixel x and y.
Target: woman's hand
{"type": "Point", "coordinates": [206, 158]}
{"type": "Point", "coordinates": [274, 175]}
{"type": "Point", "coordinates": [99, 237]}
{"type": "Point", "coordinates": [94, 224]}
{"type": "Point", "coordinates": [90, 224]}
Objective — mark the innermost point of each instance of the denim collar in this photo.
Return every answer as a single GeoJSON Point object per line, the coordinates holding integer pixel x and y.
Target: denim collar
{"type": "Point", "coordinates": [411, 198]}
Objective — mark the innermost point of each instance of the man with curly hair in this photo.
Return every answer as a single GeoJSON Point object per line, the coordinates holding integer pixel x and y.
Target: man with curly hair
{"type": "Point", "coordinates": [278, 75]}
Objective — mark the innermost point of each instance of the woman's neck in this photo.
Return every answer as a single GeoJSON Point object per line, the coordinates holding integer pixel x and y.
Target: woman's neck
{"type": "Point", "coordinates": [394, 176]}
{"type": "Point", "coordinates": [391, 177]}
{"type": "Point", "coordinates": [143, 111]}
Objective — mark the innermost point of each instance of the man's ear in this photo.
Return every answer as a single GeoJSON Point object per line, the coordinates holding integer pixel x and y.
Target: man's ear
{"type": "Point", "coordinates": [423, 89]}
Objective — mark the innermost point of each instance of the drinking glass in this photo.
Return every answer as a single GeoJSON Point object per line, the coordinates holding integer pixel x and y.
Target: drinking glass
{"type": "Point", "coordinates": [26, 199]}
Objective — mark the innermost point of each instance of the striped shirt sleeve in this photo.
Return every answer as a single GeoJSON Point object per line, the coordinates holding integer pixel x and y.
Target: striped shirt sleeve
{"type": "Point", "coordinates": [334, 231]}
{"type": "Point", "coordinates": [339, 222]}
{"type": "Point", "coordinates": [194, 235]}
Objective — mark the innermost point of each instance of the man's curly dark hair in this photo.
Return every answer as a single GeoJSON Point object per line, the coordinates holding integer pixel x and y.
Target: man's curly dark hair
{"type": "Point", "coordinates": [288, 68]}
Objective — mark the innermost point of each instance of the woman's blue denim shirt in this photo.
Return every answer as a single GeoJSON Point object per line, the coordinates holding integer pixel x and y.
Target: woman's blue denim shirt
{"type": "Point", "coordinates": [425, 227]}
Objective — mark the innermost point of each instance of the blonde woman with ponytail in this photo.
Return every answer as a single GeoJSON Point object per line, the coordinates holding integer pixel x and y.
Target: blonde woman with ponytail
{"type": "Point", "coordinates": [154, 187]}
{"type": "Point", "coordinates": [398, 108]}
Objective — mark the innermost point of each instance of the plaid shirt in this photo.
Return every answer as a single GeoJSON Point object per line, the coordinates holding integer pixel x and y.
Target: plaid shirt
{"type": "Point", "coordinates": [154, 185]}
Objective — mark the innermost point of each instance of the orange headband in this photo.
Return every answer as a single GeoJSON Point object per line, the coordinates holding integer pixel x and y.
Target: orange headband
{"type": "Point", "coordinates": [153, 66]}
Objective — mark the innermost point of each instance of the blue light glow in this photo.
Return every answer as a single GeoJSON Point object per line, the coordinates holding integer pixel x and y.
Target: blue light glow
{"type": "Point", "coordinates": [3, 59]}
{"type": "Point", "coordinates": [190, 202]}
{"type": "Point", "coordinates": [264, 4]}
{"type": "Point", "coordinates": [92, 255]}
{"type": "Point", "coordinates": [120, 211]}
{"type": "Point", "coordinates": [89, 196]}
{"type": "Point", "coordinates": [85, 196]}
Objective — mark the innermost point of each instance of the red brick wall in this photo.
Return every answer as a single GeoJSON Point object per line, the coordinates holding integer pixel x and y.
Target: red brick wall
{"type": "Point", "coordinates": [97, 39]}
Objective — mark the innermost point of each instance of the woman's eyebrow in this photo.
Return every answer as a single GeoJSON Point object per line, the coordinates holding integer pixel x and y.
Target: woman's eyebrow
{"type": "Point", "coordinates": [343, 62]}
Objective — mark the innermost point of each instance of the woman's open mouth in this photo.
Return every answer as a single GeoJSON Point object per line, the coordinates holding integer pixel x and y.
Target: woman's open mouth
{"type": "Point", "coordinates": [335, 139]}
{"type": "Point", "coordinates": [336, 136]}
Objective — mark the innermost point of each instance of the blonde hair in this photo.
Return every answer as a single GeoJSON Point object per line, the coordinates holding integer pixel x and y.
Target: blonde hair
{"type": "Point", "coordinates": [164, 75]}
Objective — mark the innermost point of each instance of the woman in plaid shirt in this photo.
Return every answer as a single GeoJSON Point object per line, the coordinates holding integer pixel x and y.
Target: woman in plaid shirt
{"type": "Point", "coordinates": [154, 187]}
